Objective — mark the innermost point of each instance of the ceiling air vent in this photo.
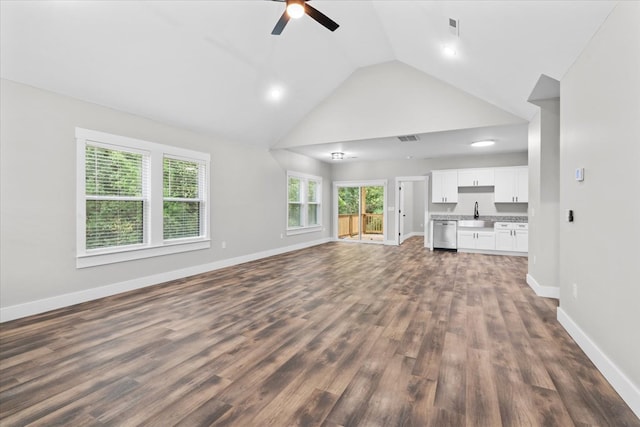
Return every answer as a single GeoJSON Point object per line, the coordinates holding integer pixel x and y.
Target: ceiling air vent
{"type": "Point", "coordinates": [408, 138]}
{"type": "Point", "coordinates": [454, 27]}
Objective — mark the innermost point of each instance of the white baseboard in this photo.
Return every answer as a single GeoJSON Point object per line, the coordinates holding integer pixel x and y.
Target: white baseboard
{"type": "Point", "coordinates": [618, 380]}
{"type": "Point", "coordinates": [543, 291]}
{"type": "Point", "coordinates": [47, 304]}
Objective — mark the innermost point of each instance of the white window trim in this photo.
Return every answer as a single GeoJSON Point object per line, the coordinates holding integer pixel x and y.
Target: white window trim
{"type": "Point", "coordinates": [292, 231]}
{"type": "Point", "coordinates": [154, 243]}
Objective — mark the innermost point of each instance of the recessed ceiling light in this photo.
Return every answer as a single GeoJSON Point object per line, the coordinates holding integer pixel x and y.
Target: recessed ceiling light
{"type": "Point", "coordinates": [295, 9]}
{"type": "Point", "coordinates": [337, 155]}
{"type": "Point", "coordinates": [485, 143]}
{"type": "Point", "coordinates": [275, 93]}
{"type": "Point", "coordinates": [449, 51]}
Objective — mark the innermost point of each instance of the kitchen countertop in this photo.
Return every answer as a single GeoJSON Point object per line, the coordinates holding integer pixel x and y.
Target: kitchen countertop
{"type": "Point", "coordinates": [481, 218]}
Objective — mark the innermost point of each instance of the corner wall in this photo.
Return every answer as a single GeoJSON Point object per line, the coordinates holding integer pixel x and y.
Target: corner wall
{"type": "Point", "coordinates": [544, 199]}
{"type": "Point", "coordinates": [38, 206]}
{"type": "Point", "coordinates": [599, 252]}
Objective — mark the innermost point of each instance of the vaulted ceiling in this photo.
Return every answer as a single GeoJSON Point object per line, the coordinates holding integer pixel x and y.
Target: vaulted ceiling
{"type": "Point", "coordinates": [211, 66]}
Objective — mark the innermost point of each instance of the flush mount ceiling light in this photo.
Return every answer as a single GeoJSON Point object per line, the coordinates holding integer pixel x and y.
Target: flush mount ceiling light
{"type": "Point", "coordinates": [337, 155]}
{"type": "Point", "coordinates": [275, 93]}
{"type": "Point", "coordinates": [485, 143]}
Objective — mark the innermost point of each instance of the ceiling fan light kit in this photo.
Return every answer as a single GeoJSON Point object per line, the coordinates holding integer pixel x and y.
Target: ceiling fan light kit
{"type": "Point", "coordinates": [295, 9]}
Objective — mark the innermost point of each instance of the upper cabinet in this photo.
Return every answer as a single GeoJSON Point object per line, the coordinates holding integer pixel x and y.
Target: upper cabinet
{"type": "Point", "coordinates": [445, 186]}
{"type": "Point", "coordinates": [512, 185]}
{"type": "Point", "coordinates": [475, 177]}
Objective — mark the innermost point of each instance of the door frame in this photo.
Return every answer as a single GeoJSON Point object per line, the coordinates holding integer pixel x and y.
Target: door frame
{"type": "Point", "coordinates": [367, 183]}
{"type": "Point", "coordinates": [425, 224]}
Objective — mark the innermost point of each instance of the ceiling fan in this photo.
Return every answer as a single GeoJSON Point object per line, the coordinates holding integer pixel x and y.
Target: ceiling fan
{"type": "Point", "coordinates": [295, 9]}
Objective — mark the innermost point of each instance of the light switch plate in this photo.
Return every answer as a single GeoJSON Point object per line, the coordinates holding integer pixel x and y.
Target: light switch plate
{"type": "Point", "coordinates": [580, 174]}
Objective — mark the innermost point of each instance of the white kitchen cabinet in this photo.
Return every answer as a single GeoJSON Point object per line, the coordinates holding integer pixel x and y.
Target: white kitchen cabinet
{"type": "Point", "coordinates": [445, 186]}
{"type": "Point", "coordinates": [466, 240]}
{"type": "Point", "coordinates": [485, 240]}
{"type": "Point", "coordinates": [521, 240]}
{"type": "Point", "coordinates": [504, 240]}
{"type": "Point", "coordinates": [476, 240]}
{"type": "Point", "coordinates": [512, 237]}
{"type": "Point", "coordinates": [511, 185]}
{"type": "Point", "coordinates": [475, 177]}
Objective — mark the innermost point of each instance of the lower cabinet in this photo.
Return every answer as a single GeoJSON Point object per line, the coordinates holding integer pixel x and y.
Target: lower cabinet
{"type": "Point", "coordinates": [476, 240]}
{"type": "Point", "coordinates": [512, 237]}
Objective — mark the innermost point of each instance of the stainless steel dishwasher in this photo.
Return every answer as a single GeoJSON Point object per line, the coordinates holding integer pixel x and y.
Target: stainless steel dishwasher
{"type": "Point", "coordinates": [445, 234]}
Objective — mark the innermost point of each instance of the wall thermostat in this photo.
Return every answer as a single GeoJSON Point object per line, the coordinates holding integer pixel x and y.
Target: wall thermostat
{"type": "Point", "coordinates": [580, 174]}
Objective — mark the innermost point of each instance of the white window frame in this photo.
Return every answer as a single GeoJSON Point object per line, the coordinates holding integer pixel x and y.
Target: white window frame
{"type": "Point", "coordinates": [202, 176]}
{"type": "Point", "coordinates": [153, 242]}
{"type": "Point", "coordinates": [304, 205]}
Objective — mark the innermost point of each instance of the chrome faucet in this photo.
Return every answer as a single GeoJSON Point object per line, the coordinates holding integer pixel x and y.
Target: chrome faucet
{"type": "Point", "coordinates": [476, 214]}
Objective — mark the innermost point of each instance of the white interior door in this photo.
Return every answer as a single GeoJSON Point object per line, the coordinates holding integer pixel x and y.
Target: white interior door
{"type": "Point", "coordinates": [412, 212]}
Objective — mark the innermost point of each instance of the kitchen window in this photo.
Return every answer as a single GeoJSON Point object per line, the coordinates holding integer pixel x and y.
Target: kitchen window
{"type": "Point", "coordinates": [138, 199]}
{"type": "Point", "coordinates": [304, 207]}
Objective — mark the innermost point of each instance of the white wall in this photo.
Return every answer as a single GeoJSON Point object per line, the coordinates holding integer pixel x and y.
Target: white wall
{"type": "Point", "coordinates": [391, 99]}
{"type": "Point", "coordinates": [544, 198]}
{"type": "Point", "coordinates": [38, 178]}
{"type": "Point", "coordinates": [600, 251]}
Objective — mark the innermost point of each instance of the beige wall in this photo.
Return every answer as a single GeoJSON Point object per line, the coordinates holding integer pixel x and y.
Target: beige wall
{"type": "Point", "coordinates": [38, 184]}
{"type": "Point", "coordinates": [600, 131]}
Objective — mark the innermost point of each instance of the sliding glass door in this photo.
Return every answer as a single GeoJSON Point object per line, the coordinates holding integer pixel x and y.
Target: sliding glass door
{"type": "Point", "coordinates": [360, 212]}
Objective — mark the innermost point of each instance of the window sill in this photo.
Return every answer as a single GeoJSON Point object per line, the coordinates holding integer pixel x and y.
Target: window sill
{"type": "Point", "coordinates": [130, 254]}
{"type": "Point", "coordinates": [303, 230]}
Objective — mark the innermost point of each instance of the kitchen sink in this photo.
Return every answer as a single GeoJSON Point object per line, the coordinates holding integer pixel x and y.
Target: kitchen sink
{"type": "Point", "coordinates": [474, 223]}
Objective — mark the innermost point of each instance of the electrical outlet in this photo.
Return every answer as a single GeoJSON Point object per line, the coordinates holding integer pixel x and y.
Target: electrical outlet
{"type": "Point", "coordinates": [574, 290]}
{"type": "Point", "coordinates": [224, 245]}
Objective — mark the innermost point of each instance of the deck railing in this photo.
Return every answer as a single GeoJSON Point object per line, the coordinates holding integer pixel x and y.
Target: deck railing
{"type": "Point", "coordinates": [348, 225]}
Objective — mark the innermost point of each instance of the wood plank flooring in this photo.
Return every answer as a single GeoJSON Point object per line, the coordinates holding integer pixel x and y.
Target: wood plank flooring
{"type": "Point", "coordinates": [336, 335]}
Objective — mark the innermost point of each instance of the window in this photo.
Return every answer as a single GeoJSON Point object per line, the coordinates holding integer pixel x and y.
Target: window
{"type": "Point", "coordinates": [182, 187]}
{"type": "Point", "coordinates": [116, 197]}
{"type": "Point", "coordinates": [304, 208]}
{"type": "Point", "coordinates": [138, 199]}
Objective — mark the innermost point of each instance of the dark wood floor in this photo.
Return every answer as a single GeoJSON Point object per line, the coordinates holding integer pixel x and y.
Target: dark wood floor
{"type": "Point", "coordinates": [336, 335]}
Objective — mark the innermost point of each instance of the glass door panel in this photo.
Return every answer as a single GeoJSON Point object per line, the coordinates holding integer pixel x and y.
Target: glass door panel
{"type": "Point", "coordinates": [373, 213]}
{"type": "Point", "coordinates": [361, 213]}
{"type": "Point", "coordinates": [349, 213]}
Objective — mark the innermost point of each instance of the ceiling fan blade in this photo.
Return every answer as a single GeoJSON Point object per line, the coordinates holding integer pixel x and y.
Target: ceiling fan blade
{"type": "Point", "coordinates": [321, 17]}
{"type": "Point", "coordinates": [277, 30]}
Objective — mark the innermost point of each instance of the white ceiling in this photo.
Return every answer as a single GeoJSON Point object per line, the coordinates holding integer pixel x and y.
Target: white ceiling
{"type": "Point", "coordinates": [511, 138]}
{"type": "Point", "coordinates": [208, 65]}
